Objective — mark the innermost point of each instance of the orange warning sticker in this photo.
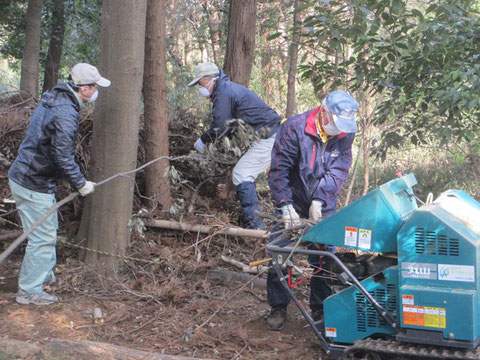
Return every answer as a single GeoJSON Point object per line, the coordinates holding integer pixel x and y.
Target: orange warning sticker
{"type": "Point", "coordinates": [351, 234]}
{"type": "Point", "coordinates": [330, 332]}
{"type": "Point", "coordinates": [412, 315]}
{"type": "Point", "coordinates": [408, 299]}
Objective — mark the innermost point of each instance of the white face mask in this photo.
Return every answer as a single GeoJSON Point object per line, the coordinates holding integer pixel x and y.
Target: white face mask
{"type": "Point", "coordinates": [203, 90]}
{"type": "Point", "coordinates": [92, 98]}
{"type": "Point", "coordinates": [331, 129]}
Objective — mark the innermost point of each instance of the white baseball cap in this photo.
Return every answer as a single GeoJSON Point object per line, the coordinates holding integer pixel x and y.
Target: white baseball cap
{"type": "Point", "coordinates": [202, 70]}
{"type": "Point", "coordinates": [83, 74]}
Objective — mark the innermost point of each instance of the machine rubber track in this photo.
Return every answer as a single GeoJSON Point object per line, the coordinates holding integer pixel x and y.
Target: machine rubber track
{"type": "Point", "coordinates": [390, 349]}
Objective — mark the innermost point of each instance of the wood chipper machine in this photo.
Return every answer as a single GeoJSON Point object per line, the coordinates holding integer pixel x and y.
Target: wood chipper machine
{"type": "Point", "coordinates": [411, 289]}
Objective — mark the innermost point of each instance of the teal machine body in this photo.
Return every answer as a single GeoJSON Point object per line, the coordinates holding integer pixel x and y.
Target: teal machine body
{"type": "Point", "coordinates": [433, 290]}
{"type": "Point", "coordinates": [372, 222]}
{"type": "Point", "coordinates": [438, 262]}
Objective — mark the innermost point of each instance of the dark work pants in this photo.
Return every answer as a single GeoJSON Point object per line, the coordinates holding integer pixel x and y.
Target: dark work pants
{"type": "Point", "coordinates": [277, 295]}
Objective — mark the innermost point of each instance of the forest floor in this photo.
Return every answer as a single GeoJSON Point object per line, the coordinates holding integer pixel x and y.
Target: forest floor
{"type": "Point", "coordinates": [154, 315]}
{"type": "Point", "coordinates": [174, 306]}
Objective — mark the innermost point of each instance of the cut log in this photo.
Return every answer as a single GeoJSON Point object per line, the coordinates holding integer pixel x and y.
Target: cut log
{"type": "Point", "coordinates": [79, 350]}
{"type": "Point", "coordinates": [234, 231]}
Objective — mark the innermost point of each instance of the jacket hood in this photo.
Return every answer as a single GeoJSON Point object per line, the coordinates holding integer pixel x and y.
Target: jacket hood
{"type": "Point", "coordinates": [222, 78]}
{"type": "Point", "coordinates": [59, 95]}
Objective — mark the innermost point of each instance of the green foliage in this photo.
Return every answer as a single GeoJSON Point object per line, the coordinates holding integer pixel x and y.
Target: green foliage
{"type": "Point", "coordinates": [418, 60]}
{"type": "Point", "coordinates": [437, 86]}
{"type": "Point", "coordinates": [83, 23]}
{"type": "Point", "coordinates": [82, 20]}
{"type": "Point", "coordinates": [12, 27]}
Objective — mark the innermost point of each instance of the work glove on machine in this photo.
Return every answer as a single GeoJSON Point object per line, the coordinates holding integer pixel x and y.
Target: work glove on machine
{"type": "Point", "coordinates": [315, 211]}
{"type": "Point", "coordinates": [199, 145]}
{"type": "Point", "coordinates": [88, 188]}
{"type": "Point", "coordinates": [290, 216]}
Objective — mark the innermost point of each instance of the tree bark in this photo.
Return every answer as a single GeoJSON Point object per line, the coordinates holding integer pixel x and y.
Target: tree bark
{"type": "Point", "coordinates": [157, 184]}
{"type": "Point", "coordinates": [241, 41]}
{"type": "Point", "coordinates": [292, 63]}
{"type": "Point", "coordinates": [55, 48]}
{"type": "Point", "coordinates": [214, 18]}
{"type": "Point", "coordinates": [29, 72]}
{"type": "Point", "coordinates": [115, 127]}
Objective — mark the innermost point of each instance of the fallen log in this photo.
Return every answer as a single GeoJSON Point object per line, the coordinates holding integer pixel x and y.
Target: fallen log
{"type": "Point", "coordinates": [78, 350]}
{"type": "Point", "coordinates": [206, 229]}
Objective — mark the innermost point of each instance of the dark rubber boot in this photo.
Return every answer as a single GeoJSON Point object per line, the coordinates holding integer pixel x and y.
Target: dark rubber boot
{"type": "Point", "coordinates": [276, 318]}
{"type": "Point", "coordinates": [247, 194]}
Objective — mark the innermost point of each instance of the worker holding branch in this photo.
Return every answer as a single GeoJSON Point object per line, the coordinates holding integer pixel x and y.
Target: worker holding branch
{"type": "Point", "coordinates": [46, 154]}
{"type": "Point", "coordinates": [311, 158]}
{"type": "Point", "coordinates": [234, 101]}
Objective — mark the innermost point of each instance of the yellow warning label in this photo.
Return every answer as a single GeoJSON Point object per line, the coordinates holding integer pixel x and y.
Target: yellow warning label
{"type": "Point", "coordinates": [435, 317]}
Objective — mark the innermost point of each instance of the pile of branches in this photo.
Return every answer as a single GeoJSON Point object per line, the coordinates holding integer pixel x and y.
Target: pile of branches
{"type": "Point", "coordinates": [198, 187]}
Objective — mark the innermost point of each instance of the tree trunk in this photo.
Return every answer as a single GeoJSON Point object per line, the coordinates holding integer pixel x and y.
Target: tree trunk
{"type": "Point", "coordinates": [157, 184]}
{"type": "Point", "coordinates": [30, 60]}
{"type": "Point", "coordinates": [241, 40]}
{"type": "Point", "coordinates": [292, 63]}
{"type": "Point", "coordinates": [55, 48]}
{"type": "Point", "coordinates": [214, 18]}
{"type": "Point", "coordinates": [116, 124]}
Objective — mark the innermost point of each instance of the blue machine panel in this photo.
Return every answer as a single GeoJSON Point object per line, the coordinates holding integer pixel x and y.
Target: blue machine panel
{"type": "Point", "coordinates": [451, 311]}
{"type": "Point", "coordinates": [349, 316]}
{"type": "Point", "coordinates": [372, 222]}
{"type": "Point", "coordinates": [438, 267]}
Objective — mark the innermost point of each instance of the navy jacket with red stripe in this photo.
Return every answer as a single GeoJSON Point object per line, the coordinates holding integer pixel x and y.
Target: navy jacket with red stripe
{"type": "Point", "coordinates": [304, 168]}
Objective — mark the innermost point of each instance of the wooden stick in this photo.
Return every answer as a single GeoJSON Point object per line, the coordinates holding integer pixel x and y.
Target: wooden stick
{"type": "Point", "coordinates": [7, 235]}
{"type": "Point", "coordinates": [72, 196]}
{"type": "Point", "coordinates": [234, 231]}
{"type": "Point", "coordinates": [245, 268]}
{"type": "Point", "coordinates": [28, 231]}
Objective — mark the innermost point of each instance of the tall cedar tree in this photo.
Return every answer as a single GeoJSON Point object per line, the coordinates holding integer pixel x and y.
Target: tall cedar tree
{"type": "Point", "coordinates": [29, 73]}
{"type": "Point", "coordinates": [54, 54]}
{"type": "Point", "coordinates": [157, 184]}
{"type": "Point", "coordinates": [241, 40]}
{"type": "Point", "coordinates": [115, 130]}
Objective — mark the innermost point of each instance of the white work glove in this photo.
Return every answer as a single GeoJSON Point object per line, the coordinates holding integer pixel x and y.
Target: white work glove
{"type": "Point", "coordinates": [290, 216]}
{"type": "Point", "coordinates": [315, 211]}
{"type": "Point", "coordinates": [199, 145]}
{"type": "Point", "coordinates": [86, 189]}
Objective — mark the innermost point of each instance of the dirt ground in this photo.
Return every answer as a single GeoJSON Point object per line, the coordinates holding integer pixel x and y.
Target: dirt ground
{"type": "Point", "coordinates": [134, 318]}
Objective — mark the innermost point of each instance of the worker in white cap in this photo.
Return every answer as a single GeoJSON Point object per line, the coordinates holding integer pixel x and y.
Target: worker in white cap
{"type": "Point", "coordinates": [234, 101]}
{"type": "Point", "coordinates": [46, 154]}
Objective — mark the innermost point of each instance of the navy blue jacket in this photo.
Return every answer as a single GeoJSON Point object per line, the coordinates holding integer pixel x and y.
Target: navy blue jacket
{"type": "Point", "coordinates": [304, 168]}
{"type": "Point", "coordinates": [48, 150]}
{"type": "Point", "coordinates": [234, 101]}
